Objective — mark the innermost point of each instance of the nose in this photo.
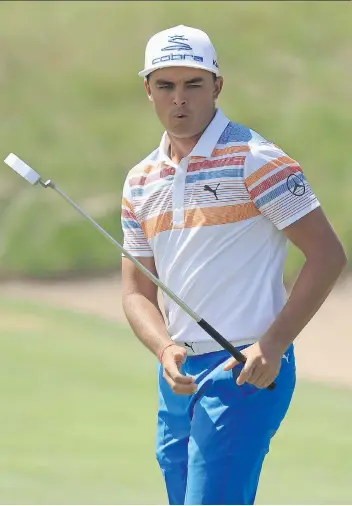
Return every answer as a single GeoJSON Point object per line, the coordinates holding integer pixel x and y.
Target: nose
{"type": "Point", "coordinates": [179, 99]}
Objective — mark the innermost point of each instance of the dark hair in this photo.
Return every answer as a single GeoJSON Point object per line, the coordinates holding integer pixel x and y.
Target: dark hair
{"type": "Point", "coordinates": [214, 77]}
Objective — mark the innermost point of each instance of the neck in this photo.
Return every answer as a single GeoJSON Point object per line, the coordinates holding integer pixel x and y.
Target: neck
{"type": "Point", "coordinates": [180, 148]}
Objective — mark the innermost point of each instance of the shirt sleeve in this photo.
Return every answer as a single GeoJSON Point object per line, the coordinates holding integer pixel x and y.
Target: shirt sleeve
{"type": "Point", "coordinates": [134, 240]}
{"type": "Point", "coordinates": [277, 185]}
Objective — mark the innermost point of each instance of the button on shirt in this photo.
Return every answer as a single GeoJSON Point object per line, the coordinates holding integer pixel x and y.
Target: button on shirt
{"type": "Point", "coordinates": [213, 224]}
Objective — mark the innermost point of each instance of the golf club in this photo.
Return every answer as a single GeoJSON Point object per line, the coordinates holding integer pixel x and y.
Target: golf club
{"type": "Point", "coordinates": [34, 178]}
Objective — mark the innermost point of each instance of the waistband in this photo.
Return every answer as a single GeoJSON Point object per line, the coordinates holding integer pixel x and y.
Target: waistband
{"type": "Point", "coordinates": [202, 347]}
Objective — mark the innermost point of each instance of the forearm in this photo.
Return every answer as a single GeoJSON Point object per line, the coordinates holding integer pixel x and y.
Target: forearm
{"type": "Point", "coordinates": [313, 285]}
{"type": "Point", "coordinates": [146, 321]}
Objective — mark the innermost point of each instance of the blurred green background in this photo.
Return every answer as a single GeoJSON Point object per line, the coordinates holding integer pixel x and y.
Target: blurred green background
{"type": "Point", "coordinates": [79, 414]}
{"type": "Point", "coordinates": [73, 106]}
{"type": "Point", "coordinates": [78, 392]}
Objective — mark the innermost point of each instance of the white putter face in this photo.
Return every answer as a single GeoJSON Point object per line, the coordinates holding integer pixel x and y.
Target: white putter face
{"type": "Point", "coordinates": [22, 169]}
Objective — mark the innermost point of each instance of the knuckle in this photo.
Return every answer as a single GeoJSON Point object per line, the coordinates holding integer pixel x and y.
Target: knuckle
{"type": "Point", "coordinates": [249, 370]}
{"type": "Point", "coordinates": [167, 373]}
{"type": "Point", "coordinates": [245, 374]}
{"type": "Point", "coordinates": [177, 389]}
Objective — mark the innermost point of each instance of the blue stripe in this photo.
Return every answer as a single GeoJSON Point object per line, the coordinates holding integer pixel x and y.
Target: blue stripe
{"type": "Point", "coordinates": [137, 192]}
{"type": "Point", "coordinates": [130, 224]}
{"type": "Point", "coordinates": [272, 195]}
{"type": "Point", "coordinates": [214, 174]}
{"type": "Point", "coordinates": [235, 132]}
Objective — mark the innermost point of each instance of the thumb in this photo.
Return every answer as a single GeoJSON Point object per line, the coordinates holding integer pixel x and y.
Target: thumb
{"type": "Point", "coordinates": [180, 355]}
{"type": "Point", "coordinates": [172, 366]}
{"type": "Point", "coordinates": [245, 373]}
{"type": "Point", "coordinates": [230, 364]}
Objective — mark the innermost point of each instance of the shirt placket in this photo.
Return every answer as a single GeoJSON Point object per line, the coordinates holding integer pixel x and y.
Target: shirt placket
{"type": "Point", "coordinates": [178, 194]}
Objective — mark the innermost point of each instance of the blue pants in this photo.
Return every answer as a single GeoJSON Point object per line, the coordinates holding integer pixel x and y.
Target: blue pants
{"type": "Point", "coordinates": [211, 445]}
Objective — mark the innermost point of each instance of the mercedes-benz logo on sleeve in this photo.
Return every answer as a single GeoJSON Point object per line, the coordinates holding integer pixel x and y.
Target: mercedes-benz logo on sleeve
{"type": "Point", "coordinates": [295, 184]}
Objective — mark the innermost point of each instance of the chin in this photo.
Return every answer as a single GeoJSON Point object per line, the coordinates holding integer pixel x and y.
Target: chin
{"type": "Point", "coordinates": [183, 133]}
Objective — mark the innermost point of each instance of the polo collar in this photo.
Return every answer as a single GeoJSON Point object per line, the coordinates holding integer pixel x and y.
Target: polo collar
{"type": "Point", "coordinates": [206, 143]}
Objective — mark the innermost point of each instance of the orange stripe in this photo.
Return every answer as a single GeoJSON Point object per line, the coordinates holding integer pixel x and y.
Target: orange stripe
{"type": "Point", "coordinates": [230, 150]}
{"type": "Point", "coordinates": [141, 169]}
{"type": "Point", "coordinates": [154, 226]}
{"type": "Point", "coordinates": [206, 216]}
{"type": "Point", "coordinates": [201, 217]}
{"type": "Point", "coordinates": [148, 168]}
{"type": "Point", "coordinates": [125, 203]}
{"type": "Point", "coordinates": [268, 167]}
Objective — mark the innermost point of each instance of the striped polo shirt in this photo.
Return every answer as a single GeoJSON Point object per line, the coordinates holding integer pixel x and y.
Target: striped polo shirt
{"type": "Point", "coordinates": [213, 224]}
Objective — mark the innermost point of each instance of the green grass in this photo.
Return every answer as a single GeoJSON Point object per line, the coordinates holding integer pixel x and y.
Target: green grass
{"type": "Point", "coordinates": [73, 106]}
{"type": "Point", "coordinates": [78, 420]}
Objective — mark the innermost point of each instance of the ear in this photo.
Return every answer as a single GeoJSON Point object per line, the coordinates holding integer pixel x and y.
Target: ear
{"type": "Point", "coordinates": [148, 90]}
{"type": "Point", "coordinates": [218, 86]}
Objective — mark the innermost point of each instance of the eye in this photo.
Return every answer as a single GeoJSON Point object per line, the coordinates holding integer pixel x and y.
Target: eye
{"type": "Point", "coordinates": [194, 85]}
{"type": "Point", "coordinates": [165, 86]}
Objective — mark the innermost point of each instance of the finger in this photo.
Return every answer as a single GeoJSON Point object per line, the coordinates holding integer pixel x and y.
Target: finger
{"type": "Point", "coordinates": [245, 374]}
{"type": "Point", "coordinates": [184, 389]}
{"type": "Point", "coordinates": [172, 364]}
{"type": "Point", "coordinates": [261, 381]}
{"type": "Point", "coordinates": [172, 370]}
{"type": "Point", "coordinates": [175, 375]}
{"type": "Point", "coordinates": [257, 373]}
{"type": "Point", "coordinates": [180, 356]}
{"type": "Point", "coordinates": [268, 381]}
{"type": "Point", "coordinates": [179, 388]}
{"type": "Point", "coordinates": [230, 364]}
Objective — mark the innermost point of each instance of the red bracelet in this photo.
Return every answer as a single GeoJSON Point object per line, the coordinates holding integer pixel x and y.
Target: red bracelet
{"type": "Point", "coordinates": [161, 353]}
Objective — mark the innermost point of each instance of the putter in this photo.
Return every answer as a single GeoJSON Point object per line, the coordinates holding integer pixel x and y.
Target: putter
{"type": "Point", "coordinates": [34, 178]}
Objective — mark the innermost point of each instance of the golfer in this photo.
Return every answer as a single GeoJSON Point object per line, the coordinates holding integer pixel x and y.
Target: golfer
{"type": "Point", "coordinates": [210, 212]}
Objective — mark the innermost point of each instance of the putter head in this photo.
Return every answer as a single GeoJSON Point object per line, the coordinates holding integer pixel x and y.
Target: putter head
{"type": "Point", "coordinates": [22, 169]}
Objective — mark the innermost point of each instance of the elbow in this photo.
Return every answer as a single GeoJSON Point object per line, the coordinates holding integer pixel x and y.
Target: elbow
{"type": "Point", "coordinates": [335, 259]}
{"type": "Point", "coordinates": [343, 260]}
{"type": "Point", "coordinates": [340, 257]}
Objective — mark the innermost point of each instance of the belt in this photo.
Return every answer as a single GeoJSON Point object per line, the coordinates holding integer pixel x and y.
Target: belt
{"type": "Point", "coordinates": [202, 347]}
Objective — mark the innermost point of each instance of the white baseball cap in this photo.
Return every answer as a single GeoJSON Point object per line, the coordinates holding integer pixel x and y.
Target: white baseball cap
{"type": "Point", "coordinates": [180, 46]}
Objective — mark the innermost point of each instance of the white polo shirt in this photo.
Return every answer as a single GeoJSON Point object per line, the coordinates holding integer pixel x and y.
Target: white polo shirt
{"type": "Point", "coordinates": [213, 224]}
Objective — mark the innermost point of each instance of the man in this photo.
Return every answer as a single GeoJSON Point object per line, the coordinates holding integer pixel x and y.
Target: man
{"type": "Point", "coordinates": [210, 212]}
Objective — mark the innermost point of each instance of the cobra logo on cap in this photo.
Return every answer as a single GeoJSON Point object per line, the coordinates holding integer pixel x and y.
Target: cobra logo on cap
{"type": "Point", "coordinates": [178, 44]}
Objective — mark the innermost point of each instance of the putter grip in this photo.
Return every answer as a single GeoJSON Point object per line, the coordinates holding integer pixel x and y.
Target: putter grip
{"type": "Point", "coordinates": [226, 345]}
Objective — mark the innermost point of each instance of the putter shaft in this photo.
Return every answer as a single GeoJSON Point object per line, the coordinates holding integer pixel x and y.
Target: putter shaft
{"type": "Point", "coordinates": [34, 178]}
{"type": "Point", "coordinates": [201, 322]}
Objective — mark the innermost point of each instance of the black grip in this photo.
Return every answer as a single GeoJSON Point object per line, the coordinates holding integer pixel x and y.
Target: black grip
{"type": "Point", "coordinates": [226, 345]}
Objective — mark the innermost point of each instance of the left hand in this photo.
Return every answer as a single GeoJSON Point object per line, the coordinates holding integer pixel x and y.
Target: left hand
{"type": "Point", "coordinates": [262, 365]}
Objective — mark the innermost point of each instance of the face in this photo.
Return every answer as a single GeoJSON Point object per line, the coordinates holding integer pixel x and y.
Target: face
{"type": "Point", "coordinates": [184, 99]}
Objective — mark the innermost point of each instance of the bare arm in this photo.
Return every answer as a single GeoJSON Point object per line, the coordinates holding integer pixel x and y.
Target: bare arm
{"type": "Point", "coordinates": [140, 304]}
{"type": "Point", "coordinates": [325, 261]}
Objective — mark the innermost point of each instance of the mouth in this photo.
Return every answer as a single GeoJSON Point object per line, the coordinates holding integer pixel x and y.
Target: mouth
{"type": "Point", "coordinates": [180, 116]}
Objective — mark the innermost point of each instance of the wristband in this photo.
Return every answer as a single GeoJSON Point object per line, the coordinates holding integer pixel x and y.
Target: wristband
{"type": "Point", "coordinates": [161, 353]}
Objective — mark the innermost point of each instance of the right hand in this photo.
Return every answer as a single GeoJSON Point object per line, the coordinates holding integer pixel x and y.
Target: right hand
{"type": "Point", "coordinates": [174, 356]}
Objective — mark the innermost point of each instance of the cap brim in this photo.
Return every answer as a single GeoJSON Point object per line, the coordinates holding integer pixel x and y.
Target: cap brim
{"type": "Point", "coordinates": [145, 72]}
